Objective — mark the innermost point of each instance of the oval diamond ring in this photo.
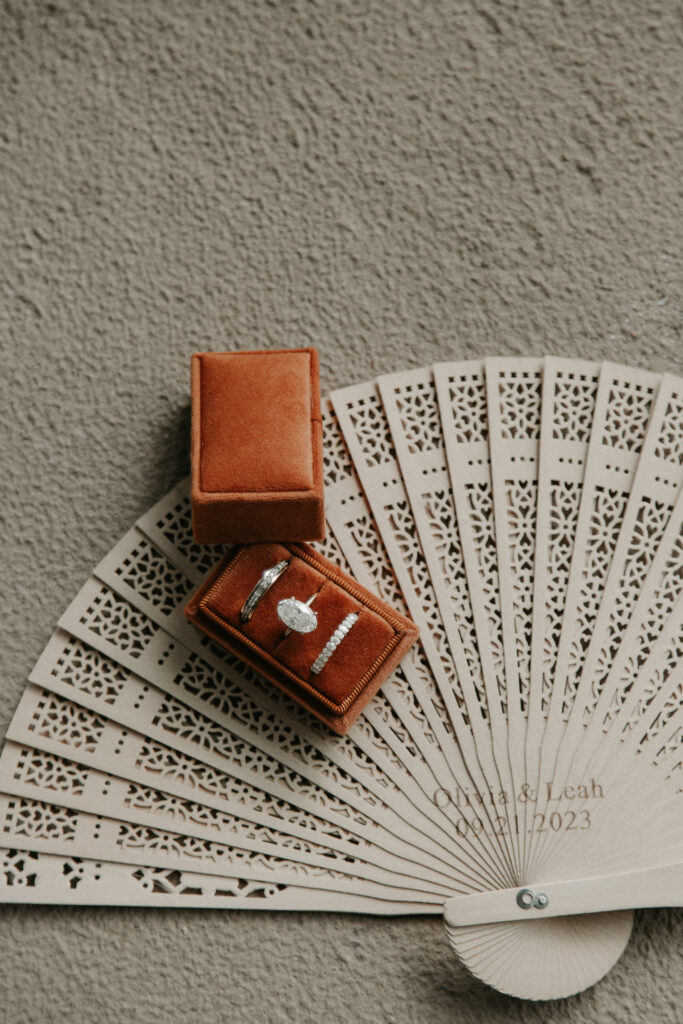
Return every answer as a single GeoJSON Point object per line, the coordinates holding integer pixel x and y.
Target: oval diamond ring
{"type": "Point", "coordinates": [297, 615]}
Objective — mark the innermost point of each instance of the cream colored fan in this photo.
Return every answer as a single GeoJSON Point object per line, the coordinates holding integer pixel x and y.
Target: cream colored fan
{"type": "Point", "coordinates": [521, 771]}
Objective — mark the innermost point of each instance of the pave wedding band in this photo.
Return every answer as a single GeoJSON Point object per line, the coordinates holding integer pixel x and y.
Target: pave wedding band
{"type": "Point", "coordinates": [297, 615]}
{"type": "Point", "coordinates": [333, 643]}
{"type": "Point", "coordinates": [261, 589]}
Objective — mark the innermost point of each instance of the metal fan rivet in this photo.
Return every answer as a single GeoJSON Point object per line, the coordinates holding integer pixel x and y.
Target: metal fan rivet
{"type": "Point", "coordinates": [527, 899]}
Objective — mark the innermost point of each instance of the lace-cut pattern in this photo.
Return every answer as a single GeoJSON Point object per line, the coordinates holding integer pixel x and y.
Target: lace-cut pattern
{"type": "Point", "coordinates": [170, 844]}
{"type": "Point", "coordinates": [173, 766]}
{"type": "Point", "coordinates": [57, 719]}
{"type": "Point", "coordinates": [480, 507]}
{"type": "Point", "coordinates": [419, 412]}
{"type": "Point", "coordinates": [520, 404]}
{"type": "Point", "coordinates": [605, 525]}
{"type": "Point", "coordinates": [176, 526]}
{"type": "Point", "coordinates": [74, 871]}
{"type": "Point", "coordinates": [573, 406]}
{"type": "Point", "coordinates": [84, 669]}
{"type": "Point", "coordinates": [116, 620]}
{"type": "Point", "coordinates": [177, 811]}
{"type": "Point", "coordinates": [231, 699]}
{"type": "Point", "coordinates": [661, 607]}
{"type": "Point", "coordinates": [178, 720]}
{"type": "Point", "coordinates": [468, 407]}
{"type": "Point", "coordinates": [370, 425]}
{"type": "Point", "coordinates": [650, 524]}
{"type": "Point", "coordinates": [37, 820]}
{"type": "Point", "coordinates": [329, 548]}
{"type": "Point", "coordinates": [47, 771]}
{"type": "Point", "coordinates": [161, 880]}
{"type": "Point", "coordinates": [401, 520]}
{"type": "Point", "coordinates": [627, 417]}
{"type": "Point", "coordinates": [670, 441]}
{"type": "Point", "coordinates": [521, 531]}
{"type": "Point", "coordinates": [19, 869]}
{"type": "Point", "coordinates": [565, 498]}
{"type": "Point", "coordinates": [647, 692]}
{"type": "Point", "coordinates": [664, 730]}
{"type": "Point", "coordinates": [375, 559]}
{"type": "Point", "coordinates": [150, 574]}
{"type": "Point", "coordinates": [337, 464]}
{"type": "Point", "coordinates": [443, 525]}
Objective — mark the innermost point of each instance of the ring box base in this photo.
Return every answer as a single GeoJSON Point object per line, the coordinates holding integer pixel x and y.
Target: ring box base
{"type": "Point", "coordinates": [354, 672]}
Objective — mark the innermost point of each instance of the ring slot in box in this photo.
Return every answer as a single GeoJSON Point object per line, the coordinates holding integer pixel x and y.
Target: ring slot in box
{"type": "Point", "coordinates": [357, 637]}
{"type": "Point", "coordinates": [256, 446]}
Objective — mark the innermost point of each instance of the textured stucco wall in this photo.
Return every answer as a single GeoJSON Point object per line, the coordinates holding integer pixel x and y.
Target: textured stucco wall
{"type": "Point", "coordinates": [394, 181]}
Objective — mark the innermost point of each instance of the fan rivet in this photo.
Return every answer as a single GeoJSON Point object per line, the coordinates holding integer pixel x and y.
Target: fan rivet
{"type": "Point", "coordinates": [527, 899]}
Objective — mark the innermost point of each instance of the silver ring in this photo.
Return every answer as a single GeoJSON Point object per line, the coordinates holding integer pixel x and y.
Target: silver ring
{"type": "Point", "coordinates": [297, 615]}
{"type": "Point", "coordinates": [261, 589]}
{"type": "Point", "coordinates": [333, 643]}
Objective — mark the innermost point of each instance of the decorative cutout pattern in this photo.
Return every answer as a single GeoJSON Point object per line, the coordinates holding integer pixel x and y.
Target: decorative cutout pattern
{"type": "Point", "coordinates": [670, 442]}
{"type": "Point", "coordinates": [37, 820]}
{"type": "Point", "coordinates": [573, 406]}
{"type": "Point", "coordinates": [67, 723]}
{"type": "Point", "coordinates": [420, 416]}
{"type": "Point", "coordinates": [565, 497]}
{"type": "Point", "coordinates": [47, 771]}
{"type": "Point", "coordinates": [373, 433]}
{"type": "Point", "coordinates": [640, 634]}
{"type": "Point", "coordinates": [176, 527]}
{"type": "Point", "coordinates": [19, 869]}
{"type": "Point", "coordinates": [480, 501]}
{"type": "Point", "coordinates": [375, 559]}
{"type": "Point", "coordinates": [440, 514]}
{"type": "Point", "coordinates": [628, 413]}
{"type": "Point", "coordinates": [150, 574]}
{"type": "Point", "coordinates": [647, 691]}
{"type": "Point", "coordinates": [78, 667]}
{"type": "Point", "coordinates": [521, 517]}
{"type": "Point", "coordinates": [468, 407]}
{"type": "Point", "coordinates": [117, 621]}
{"type": "Point", "coordinates": [160, 880]}
{"type": "Point", "coordinates": [650, 524]}
{"type": "Point", "coordinates": [608, 512]}
{"type": "Point", "coordinates": [520, 404]}
{"type": "Point", "coordinates": [337, 464]}
{"type": "Point", "coordinates": [151, 840]}
{"type": "Point", "coordinates": [400, 518]}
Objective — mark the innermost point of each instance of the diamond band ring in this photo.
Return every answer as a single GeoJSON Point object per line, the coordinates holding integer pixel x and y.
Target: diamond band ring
{"type": "Point", "coordinates": [332, 644]}
{"type": "Point", "coordinates": [297, 615]}
{"type": "Point", "coordinates": [261, 589]}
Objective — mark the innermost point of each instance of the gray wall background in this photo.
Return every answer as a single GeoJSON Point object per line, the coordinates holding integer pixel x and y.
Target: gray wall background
{"type": "Point", "coordinates": [394, 181]}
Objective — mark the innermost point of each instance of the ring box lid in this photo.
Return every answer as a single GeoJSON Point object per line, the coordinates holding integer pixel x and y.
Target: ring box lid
{"type": "Point", "coordinates": [256, 446]}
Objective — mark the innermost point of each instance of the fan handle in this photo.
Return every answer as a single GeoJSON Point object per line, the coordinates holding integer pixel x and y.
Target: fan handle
{"type": "Point", "coordinates": [653, 887]}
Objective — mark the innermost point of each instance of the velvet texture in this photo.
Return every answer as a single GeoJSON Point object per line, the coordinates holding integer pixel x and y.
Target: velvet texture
{"type": "Point", "coordinates": [256, 446]}
{"type": "Point", "coordinates": [357, 668]}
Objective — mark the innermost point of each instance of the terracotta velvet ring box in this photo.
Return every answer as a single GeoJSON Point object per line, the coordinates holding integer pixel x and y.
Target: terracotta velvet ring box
{"type": "Point", "coordinates": [304, 624]}
{"type": "Point", "coordinates": [256, 446]}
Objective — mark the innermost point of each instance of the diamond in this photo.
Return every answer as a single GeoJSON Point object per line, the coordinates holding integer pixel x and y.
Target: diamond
{"type": "Point", "coordinates": [296, 615]}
